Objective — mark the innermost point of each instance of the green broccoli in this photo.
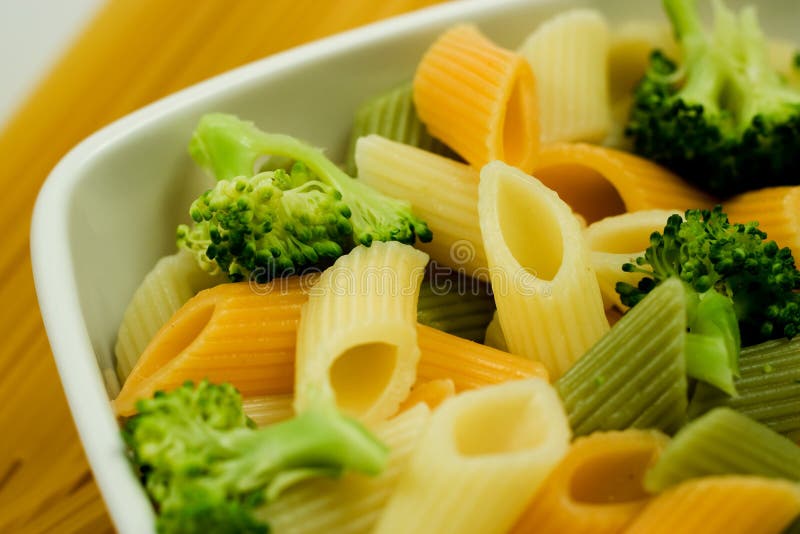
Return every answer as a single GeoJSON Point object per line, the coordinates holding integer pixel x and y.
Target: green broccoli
{"type": "Point", "coordinates": [277, 222]}
{"type": "Point", "coordinates": [743, 285]}
{"type": "Point", "coordinates": [207, 468]}
{"type": "Point", "coordinates": [724, 119]}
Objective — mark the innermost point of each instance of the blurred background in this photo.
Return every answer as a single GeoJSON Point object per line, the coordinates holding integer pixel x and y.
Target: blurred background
{"type": "Point", "coordinates": [67, 68]}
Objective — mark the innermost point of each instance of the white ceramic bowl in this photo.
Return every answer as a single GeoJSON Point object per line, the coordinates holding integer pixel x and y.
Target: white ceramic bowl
{"type": "Point", "coordinates": [110, 207]}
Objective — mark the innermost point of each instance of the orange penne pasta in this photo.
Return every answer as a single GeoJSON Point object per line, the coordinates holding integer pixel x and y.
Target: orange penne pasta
{"type": "Point", "coordinates": [468, 364]}
{"type": "Point", "coordinates": [777, 210]}
{"type": "Point", "coordinates": [229, 333]}
{"type": "Point", "coordinates": [597, 181]}
{"type": "Point", "coordinates": [478, 98]}
{"type": "Point", "coordinates": [598, 487]}
{"type": "Point", "coordinates": [432, 393]}
{"type": "Point", "coordinates": [721, 505]}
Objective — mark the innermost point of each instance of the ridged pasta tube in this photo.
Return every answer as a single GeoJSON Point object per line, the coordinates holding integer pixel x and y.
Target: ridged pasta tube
{"type": "Point", "coordinates": [268, 409]}
{"type": "Point", "coordinates": [172, 281]}
{"type": "Point", "coordinates": [481, 458]}
{"type": "Point", "coordinates": [234, 333]}
{"type": "Point", "coordinates": [598, 487]}
{"type": "Point", "coordinates": [724, 442]}
{"type": "Point", "coordinates": [441, 191]}
{"type": "Point", "coordinates": [768, 387]}
{"type": "Point", "coordinates": [635, 376]}
{"type": "Point", "coordinates": [777, 210]}
{"type": "Point", "coordinates": [357, 340]}
{"type": "Point", "coordinates": [568, 55]}
{"type": "Point", "coordinates": [478, 98]}
{"type": "Point", "coordinates": [721, 505]}
{"type": "Point", "coordinates": [547, 296]}
{"type": "Point", "coordinates": [352, 504]}
{"type": "Point", "coordinates": [617, 240]}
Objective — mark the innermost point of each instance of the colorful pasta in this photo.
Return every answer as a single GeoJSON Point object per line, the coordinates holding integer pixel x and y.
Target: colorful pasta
{"type": "Point", "coordinates": [768, 387]}
{"type": "Point", "coordinates": [777, 210]}
{"type": "Point", "coordinates": [172, 281]}
{"type": "Point", "coordinates": [721, 505]}
{"type": "Point", "coordinates": [724, 442]}
{"type": "Point", "coordinates": [234, 333]}
{"type": "Point", "coordinates": [598, 487]}
{"type": "Point", "coordinates": [617, 240]}
{"type": "Point", "coordinates": [268, 409]}
{"type": "Point", "coordinates": [597, 181]}
{"type": "Point", "coordinates": [432, 393]}
{"type": "Point", "coordinates": [442, 191]}
{"type": "Point", "coordinates": [635, 376]}
{"type": "Point", "coordinates": [547, 296]}
{"type": "Point", "coordinates": [568, 56]}
{"type": "Point", "coordinates": [494, 335]}
{"type": "Point", "coordinates": [478, 98]}
{"type": "Point", "coordinates": [458, 305]}
{"type": "Point", "coordinates": [352, 504]}
{"type": "Point", "coordinates": [480, 460]}
{"type": "Point", "coordinates": [357, 341]}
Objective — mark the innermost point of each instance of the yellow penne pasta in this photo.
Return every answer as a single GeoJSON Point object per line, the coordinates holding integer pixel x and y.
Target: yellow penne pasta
{"type": "Point", "coordinates": [468, 364]}
{"type": "Point", "coordinates": [547, 296]}
{"type": "Point", "coordinates": [617, 240]}
{"type": "Point", "coordinates": [777, 210]}
{"type": "Point", "coordinates": [721, 505]}
{"type": "Point", "coordinates": [352, 504]}
{"type": "Point", "coordinates": [494, 335]}
{"type": "Point", "coordinates": [441, 191]}
{"type": "Point", "coordinates": [630, 47]}
{"type": "Point", "coordinates": [357, 339]}
{"type": "Point", "coordinates": [478, 98]}
{"type": "Point", "coordinates": [172, 281]}
{"type": "Point", "coordinates": [479, 461]}
{"type": "Point", "coordinates": [568, 56]}
{"type": "Point", "coordinates": [432, 393]}
{"type": "Point", "coordinates": [597, 181]}
{"type": "Point", "coordinates": [268, 409]}
{"type": "Point", "coordinates": [598, 487]}
{"type": "Point", "coordinates": [233, 333]}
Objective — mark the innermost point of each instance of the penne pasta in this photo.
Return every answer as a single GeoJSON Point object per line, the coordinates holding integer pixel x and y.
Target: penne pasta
{"type": "Point", "coordinates": [234, 333]}
{"type": "Point", "coordinates": [568, 56]}
{"type": "Point", "coordinates": [479, 461]}
{"type": "Point", "coordinates": [478, 98]}
{"type": "Point", "coordinates": [617, 240]}
{"type": "Point", "coordinates": [597, 181]}
{"type": "Point", "coordinates": [173, 280]}
{"type": "Point", "coordinates": [352, 504]}
{"type": "Point", "coordinates": [721, 505]}
{"type": "Point", "coordinates": [494, 335]}
{"type": "Point", "coordinates": [724, 442]}
{"type": "Point", "coordinates": [392, 115]}
{"type": "Point", "coordinates": [443, 192]}
{"type": "Point", "coordinates": [458, 305]}
{"type": "Point", "coordinates": [469, 365]}
{"type": "Point", "coordinates": [768, 387]}
{"type": "Point", "coordinates": [547, 296]}
{"type": "Point", "coordinates": [357, 341]}
{"type": "Point", "coordinates": [635, 376]}
{"type": "Point", "coordinates": [598, 487]}
{"type": "Point", "coordinates": [777, 210]}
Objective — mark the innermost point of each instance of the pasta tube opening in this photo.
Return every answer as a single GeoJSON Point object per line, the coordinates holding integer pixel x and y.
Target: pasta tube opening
{"type": "Point", "coordinates": [361, 374]}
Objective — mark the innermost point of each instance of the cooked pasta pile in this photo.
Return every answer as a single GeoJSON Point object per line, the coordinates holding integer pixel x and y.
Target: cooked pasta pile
{"type": "Point", "coordinates": [470, 382]}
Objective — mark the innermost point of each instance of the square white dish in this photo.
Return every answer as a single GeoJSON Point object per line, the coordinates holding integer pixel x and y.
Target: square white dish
{"type": "Point", "coordinates": [110, 207]}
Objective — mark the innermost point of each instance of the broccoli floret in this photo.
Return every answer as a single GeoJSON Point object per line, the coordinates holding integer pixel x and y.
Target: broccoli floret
{"type": "Point", "coordinates": [278, 222]}
{"type": "Point", "coordinates": [737, 276]}
{"type": "Point", "coordinates": [724, 119]}
{"type": "Point", "coordinates": [207, 468]}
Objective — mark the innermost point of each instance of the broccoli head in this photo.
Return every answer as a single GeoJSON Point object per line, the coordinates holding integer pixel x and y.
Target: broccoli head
{"type": "Point", "coordinates": [736, 275]}
{"type": "Point", "coordinates": [277, 222]}
{"type": "Point", "coordinates": [723, 119]}
{"type": "Point", "coordinates": [207, 468]}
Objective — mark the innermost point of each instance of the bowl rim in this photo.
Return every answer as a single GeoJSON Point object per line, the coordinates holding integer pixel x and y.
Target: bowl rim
{"type": "Point", "coordinates": [54, 272]}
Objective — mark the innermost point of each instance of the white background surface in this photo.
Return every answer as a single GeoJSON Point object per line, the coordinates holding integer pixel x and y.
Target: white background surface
{"type": "Point", "coordinates": [33, 35]}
